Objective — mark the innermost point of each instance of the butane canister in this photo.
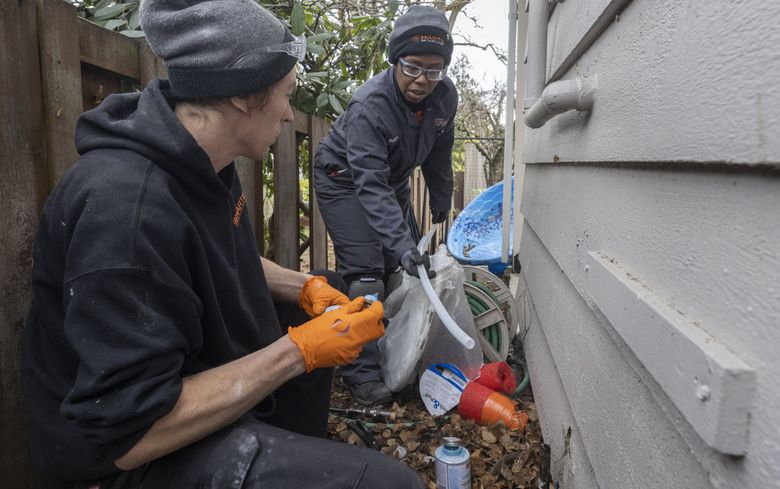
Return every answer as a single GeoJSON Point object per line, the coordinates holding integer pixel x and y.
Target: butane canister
{"type": "Point", "coordinates": [453, 470]}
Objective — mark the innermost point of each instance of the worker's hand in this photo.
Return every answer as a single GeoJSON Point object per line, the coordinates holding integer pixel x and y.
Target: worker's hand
{"type": "Point", "coordinates": [439, 216]}
{"type": "Point", "coordinates": [338, 336]}
{"type": "Point", "coordinates": [411, 258]}
{"type": "Point", "coordinates": [317, 295]}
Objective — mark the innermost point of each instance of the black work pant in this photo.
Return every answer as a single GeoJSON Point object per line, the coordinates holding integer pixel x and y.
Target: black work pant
{"type": "Point", "coordinates": [359, 252]}
{"type": "Point", "coordinates": [251, 454]}
{"type": "Point", "coordinates": [358, 247]}
{"type": "Point", "coordinates": [285, 449]}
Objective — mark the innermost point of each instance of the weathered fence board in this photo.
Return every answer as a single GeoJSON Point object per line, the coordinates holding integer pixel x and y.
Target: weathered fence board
{"type": "Point", "coordinates": [319, 240]}
{"type": "Point", "coordinates": [151, 66]}
{"type": "Point", "coordinates": [457, 193]}
{"type": "Point", "coordinates": [109, 50]}
{"type": "Point", "coordinates": [421, 208]}
{"type": "Point", "coordinates": [23, 189]}
{"type": "Point", "coordinates": [58, 32]}
{"type": "Point", "coordinates": [245, 168]}
{"type": "Point", "coordinates": [97, 84]}
{"type": "Point", "coordinates": [259, 216]}
{"type": "Point", "coordinates": [286, 224]}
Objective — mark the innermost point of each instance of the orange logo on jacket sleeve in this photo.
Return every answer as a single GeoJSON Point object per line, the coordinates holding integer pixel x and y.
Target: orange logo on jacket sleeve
{"type": "Point", "coordinates": [240, 205]}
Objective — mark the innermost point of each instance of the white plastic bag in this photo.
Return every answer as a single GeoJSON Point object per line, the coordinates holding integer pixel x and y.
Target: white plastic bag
{"type": "Point", "coordinates": [416, 338]}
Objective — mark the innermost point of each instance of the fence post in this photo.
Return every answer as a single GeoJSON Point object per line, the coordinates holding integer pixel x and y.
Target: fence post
{"type": "Point", "coordinates": [245, 168]}
{"type": "Point", "coordinates": [259, 191]}
{"type": "Point", "coordinates": [58, 35]}
{"type": "Point", "coordinates": [457, 197]}
{"type": "Point", "coordinates": [286, 225]}
{"type": "Point", "coordinates": [23, 189]}
{"type": "Point", "coordinates": [319, 239]}
{"type": "Point", "coordinates": [151, 66]}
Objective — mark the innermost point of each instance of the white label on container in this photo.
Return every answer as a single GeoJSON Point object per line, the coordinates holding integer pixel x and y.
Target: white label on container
{"type": "Point", "coordinates": [440, 388]}
{"type": "Point", "coordinates": [453, 476]}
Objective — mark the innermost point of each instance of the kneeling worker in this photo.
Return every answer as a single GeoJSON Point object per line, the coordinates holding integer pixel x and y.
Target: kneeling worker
{"type": "Point", "coordinates": [400, 119]}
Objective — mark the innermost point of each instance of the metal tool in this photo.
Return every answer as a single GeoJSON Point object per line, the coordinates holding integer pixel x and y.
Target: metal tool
{"type": "Point", "coordinates": [363, 433]}
{"type": "Point", "coordinates": [368, 412]}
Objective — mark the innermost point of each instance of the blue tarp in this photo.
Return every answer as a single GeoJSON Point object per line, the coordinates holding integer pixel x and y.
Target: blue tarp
{"type": "Point", "coordinates": [475, 235]}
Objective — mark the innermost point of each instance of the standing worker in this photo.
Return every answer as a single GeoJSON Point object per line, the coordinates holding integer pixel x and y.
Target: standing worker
{"type": "Point", "coordinates": [400, 119]}
{"type": "Point", "coordinates": [161, 351]}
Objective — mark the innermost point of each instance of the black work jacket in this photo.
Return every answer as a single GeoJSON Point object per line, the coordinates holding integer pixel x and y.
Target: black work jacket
{"type": "Point", "coordinates": [375, 144]}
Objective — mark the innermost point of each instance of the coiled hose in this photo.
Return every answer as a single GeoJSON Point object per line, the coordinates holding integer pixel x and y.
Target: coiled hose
{"type": "Point", "coordinates": [493, 333]}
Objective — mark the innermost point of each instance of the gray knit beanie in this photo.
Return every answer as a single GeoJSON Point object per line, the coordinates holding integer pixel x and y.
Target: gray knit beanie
{"type": "Point", "coordinates": [421, 30]}
{"type": "Point", "coordinates": [214, 48]}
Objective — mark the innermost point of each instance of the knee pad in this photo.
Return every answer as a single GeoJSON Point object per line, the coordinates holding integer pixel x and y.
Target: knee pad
{"type": "Point", "coordinates": [367, 286]}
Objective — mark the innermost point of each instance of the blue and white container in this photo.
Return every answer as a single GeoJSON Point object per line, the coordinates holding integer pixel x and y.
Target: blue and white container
{"type": "Point", "coordinates": [453, 470]}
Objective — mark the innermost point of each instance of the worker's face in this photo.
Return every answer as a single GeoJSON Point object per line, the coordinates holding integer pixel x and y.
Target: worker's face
{"type": "Point", "coordinates": [415, 89]}
{"type": "Point", "coordinates": [263, 119]}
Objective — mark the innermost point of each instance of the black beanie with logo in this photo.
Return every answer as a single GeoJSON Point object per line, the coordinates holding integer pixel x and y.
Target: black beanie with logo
{"type": "Point", "coordinates": [421, 30]}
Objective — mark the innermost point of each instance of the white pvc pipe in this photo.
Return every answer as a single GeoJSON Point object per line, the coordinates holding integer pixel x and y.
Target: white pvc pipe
{"type": "Point", "coordinates": [536, 70]}
{"type": "Point", "coordinates": [508, 133]}
{"type": "Point", "coordinates": [464, 339]}
{"type": "Point", "coordinates": [559, 97]}
{"type": "Point", "coordinates": [519, 171]}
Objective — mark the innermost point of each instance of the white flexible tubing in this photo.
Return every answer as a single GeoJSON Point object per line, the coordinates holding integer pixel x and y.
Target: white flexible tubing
{"type": "Point", "coordinates": [464, 339]}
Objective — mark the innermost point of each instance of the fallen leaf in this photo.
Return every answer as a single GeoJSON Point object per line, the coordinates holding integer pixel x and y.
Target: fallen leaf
{"type": "Point", "coordinates": [488, 436]}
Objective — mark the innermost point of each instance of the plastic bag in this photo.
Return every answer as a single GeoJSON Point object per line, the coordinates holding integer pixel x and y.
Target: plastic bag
{"type": "Point", "coordinates": [415, 336]}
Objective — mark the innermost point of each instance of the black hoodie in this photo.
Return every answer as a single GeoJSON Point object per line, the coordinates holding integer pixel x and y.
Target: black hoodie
{"type": "Point", "coordinates": [145, 271]}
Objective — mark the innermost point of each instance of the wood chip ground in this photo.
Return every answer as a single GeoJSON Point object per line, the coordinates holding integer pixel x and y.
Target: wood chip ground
{"type": "Point", "coordinates": [500, 458]}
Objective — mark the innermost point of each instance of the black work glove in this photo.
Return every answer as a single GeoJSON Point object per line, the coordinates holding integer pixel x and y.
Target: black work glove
{"type": "Point", "coordinates": [411, 258]}
{"type": "Point", "coordinates": [439, 216]}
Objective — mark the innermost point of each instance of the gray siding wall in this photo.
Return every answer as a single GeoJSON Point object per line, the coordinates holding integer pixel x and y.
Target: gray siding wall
{"type": "Point", "coordinates": [675, 175]}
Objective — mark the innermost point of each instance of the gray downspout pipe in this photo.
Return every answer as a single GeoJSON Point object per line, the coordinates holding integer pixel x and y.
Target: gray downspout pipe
{"type": "Point", "coordinates": [536, 69]}
{"type": "Point", "coordinates": [542, 104]}
{"type": "Point", "coordinates": [559, 97]}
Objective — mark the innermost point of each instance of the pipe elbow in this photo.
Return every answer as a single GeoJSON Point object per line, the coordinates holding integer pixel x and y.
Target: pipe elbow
{"type": "Point", "coordinates": [559, 97]}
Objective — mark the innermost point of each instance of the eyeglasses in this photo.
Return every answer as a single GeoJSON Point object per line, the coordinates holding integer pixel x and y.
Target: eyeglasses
{"type": "Point", "coordinates": [413, 71]}
{"type": "Point", "coordinates": [295, 48]}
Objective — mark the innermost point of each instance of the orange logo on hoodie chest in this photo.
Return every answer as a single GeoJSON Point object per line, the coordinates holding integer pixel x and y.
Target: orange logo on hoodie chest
{"type": "Point", "coordinates": [240, 205]}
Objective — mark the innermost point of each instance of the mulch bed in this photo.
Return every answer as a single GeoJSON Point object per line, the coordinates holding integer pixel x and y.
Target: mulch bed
{"type": "Point", "coordinates": [500, 458]}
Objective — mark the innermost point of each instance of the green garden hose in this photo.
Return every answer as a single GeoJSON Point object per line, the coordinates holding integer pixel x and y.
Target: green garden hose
{"type": "Point", "coordinates": [492, 333]}
{"type": "Point", "coordinates": [478, 306]}
{"type": "Point", "coordinates": [515, 364]}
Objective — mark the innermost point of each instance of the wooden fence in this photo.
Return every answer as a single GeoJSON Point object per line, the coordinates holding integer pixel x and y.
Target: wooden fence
{"type": "Point", "coordinates": [53, 66]}
{"type": "Point", "coordinates": [421, 208]}
{"type": "Point", "coordinates": [82, 63]}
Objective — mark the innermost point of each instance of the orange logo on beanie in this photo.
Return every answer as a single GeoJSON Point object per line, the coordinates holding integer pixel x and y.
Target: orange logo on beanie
{"type": "Point", "coordinates": [428, 38]}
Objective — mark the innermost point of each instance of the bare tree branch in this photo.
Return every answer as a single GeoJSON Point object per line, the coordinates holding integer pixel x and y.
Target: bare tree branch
{"type": "Point", "coordinates": [498, 52]}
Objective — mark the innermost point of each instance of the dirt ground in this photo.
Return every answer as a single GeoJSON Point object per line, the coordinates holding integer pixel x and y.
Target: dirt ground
{"type": "Point", "coordinates": [500, 458]}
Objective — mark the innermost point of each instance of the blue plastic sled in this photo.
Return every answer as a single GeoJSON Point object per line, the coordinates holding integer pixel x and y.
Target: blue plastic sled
{"type": "Point", "coordinates": [475, 235]}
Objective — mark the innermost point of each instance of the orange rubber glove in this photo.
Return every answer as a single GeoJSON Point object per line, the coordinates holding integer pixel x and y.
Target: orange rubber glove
{"type": "Point", "coordinates": [338, 336]}
{"type": "Point", "coordinates": [317, 295]}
